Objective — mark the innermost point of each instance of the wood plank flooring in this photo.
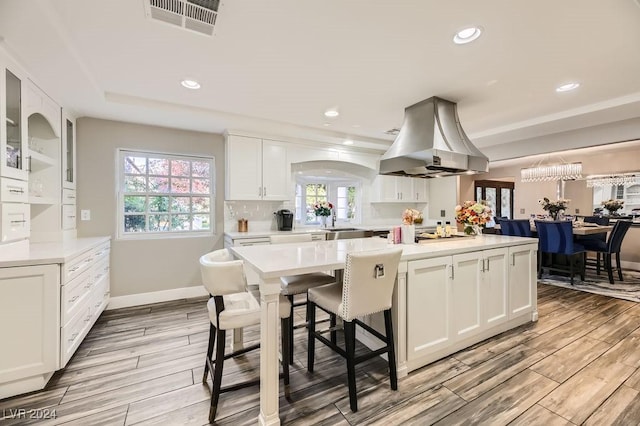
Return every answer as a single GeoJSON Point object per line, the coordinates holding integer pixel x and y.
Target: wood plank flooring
{"type": "Point", "coordinates": [579, 364]}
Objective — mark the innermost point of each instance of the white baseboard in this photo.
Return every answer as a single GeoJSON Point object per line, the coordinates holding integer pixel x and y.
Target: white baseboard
{"type": "Point", "coordinates": [155, 297]}
{"type": "Point", "coordinates": [630, 265]}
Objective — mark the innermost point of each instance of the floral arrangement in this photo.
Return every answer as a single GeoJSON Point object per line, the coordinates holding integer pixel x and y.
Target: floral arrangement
{"type": "Point", "coordinates": [613, 205]}
{"type": "Point", "coordinates": [322, 208]}
{"type": "Point", "coordinates": [473, 213]}
{"type": "Point", "coordinates": [411, 216]}
{"type": "Point", "coordinates": [553, 207]}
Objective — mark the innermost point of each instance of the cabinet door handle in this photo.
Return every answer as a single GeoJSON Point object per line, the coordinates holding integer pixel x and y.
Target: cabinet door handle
{"type": "Point", "coordinates": [74, 299]}
{"type": "Point", "coordinates": [260, 191]}
{"type": "Point", "coordinates": [73, 337]}
{"type": "Point", "coordinates": [16, 191]}
{"type": "Point", "coordinates": [451, 276]}
{"type": "Point", "coordinates": [513, 259]}
{"type": "Point", "coordinates": [29, 163]}
{"type": "Point", "coordinates": [482, 267]}
{"type": "Point", "coordinates": [264, 193]}
{"type": "Point", "coordinates": [487, 265]}
{"type": "Point", "coordinates": [15, 222]}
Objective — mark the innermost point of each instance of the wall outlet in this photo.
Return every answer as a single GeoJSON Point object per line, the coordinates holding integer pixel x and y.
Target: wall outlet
{"type": "Point", "coordinates": [442, 213]}
{"type": "Point", "coordinates": [521, 211]}
{"type": "Point", "coordinates": [85, 214]}
{"type": "Point", "coordinates": [577, 211]}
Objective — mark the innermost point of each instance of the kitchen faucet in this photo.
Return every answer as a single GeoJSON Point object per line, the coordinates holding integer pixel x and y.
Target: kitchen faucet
{"type": "Point", "coordinates": [333, 218]}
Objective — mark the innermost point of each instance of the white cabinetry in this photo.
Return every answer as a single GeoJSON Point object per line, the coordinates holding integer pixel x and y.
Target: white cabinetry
{"type": "Point", "coordinates": [30, 308]}
{"type": "Point", "coordinates": [39, 103]}
{"type": "Point", "coordinates": [399, 189]}
{"type": "Point", "coordinates": [522, 279]}
{"type": "Point", "coordinates": [85, 294]}
{"type": "Point", "coordinates": [257, 169]}
{"type": "Point", "coordinates": [13, 124]}
{"type": "Point", "coordinates": [459, 299]}
{"type": "Point", "coordinates": [68, 151]}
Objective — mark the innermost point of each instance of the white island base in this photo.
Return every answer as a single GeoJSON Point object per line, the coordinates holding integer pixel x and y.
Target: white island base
{"type": "Point", "coordinates": [448, 295]}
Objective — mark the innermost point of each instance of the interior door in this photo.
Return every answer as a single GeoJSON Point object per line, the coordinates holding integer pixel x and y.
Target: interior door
{"type": "Point", "coordinates": [498, 196]}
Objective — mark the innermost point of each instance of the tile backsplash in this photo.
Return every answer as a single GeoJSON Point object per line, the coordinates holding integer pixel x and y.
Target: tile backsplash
{"type": "Point", "coordinates": [261, 218]}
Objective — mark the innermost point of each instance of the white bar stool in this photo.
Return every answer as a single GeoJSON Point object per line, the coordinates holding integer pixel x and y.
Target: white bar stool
{"type": "Point", "coordinates": [367, 288]}
{"type": "Point", "coordinates": [232, 306]}
{"type": "Point", "coordinates": [298, 284]}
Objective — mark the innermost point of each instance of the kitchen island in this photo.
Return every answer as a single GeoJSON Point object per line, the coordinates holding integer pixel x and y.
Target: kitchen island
{"type": "Point", "coordinates": [448, 295]}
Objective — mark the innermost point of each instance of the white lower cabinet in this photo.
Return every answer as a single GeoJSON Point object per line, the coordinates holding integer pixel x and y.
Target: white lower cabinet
{"type": "Point", "coordinates": [30, 327]}
{"type": "Point", "coordinates": [85, 294]}
{"type": "Point", "coordinates": [522, 279]}
{"type": "Point", "coordinates": [457, 299]}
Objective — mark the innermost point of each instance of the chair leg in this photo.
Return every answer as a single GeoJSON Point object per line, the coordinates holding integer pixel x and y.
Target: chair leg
{"type": "Point", "coordinates": [609, 266]}
{"type": "Point", "coordinates": [388, 325]}
{"type": "Point", "coordinates": [332, 324]}
{"type": "Point", "coordinates": [286, 349]}
{"type": "Point", "coordinates": [571, 262]}
{"type": "Point", "coordinates": [598, 263]}
{"type": "Point", "coordinates": [212, 340]}
{"type": "Point", "coordinates": [618, 266]}
{"type": "Point", "coordinates": [289, 330]}
{"type": "Point", "coordinates": [217, 375]}
{"type": "Point", "coordinates": [311, 340]}
{"type": "Point", "coordinates": [350, 346]}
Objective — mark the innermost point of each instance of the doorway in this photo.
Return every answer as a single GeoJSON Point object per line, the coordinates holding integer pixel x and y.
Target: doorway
{"type": "Point", "coordinates": [498, 196]}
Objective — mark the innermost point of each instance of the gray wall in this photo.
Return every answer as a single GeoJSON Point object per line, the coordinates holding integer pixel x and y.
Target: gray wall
{"type": "Point", "coordinates": [142, 266]}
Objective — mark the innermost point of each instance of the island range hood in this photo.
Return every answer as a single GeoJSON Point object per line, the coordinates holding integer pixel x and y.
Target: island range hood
{"type": "Point", "coordinates": [432, 143]}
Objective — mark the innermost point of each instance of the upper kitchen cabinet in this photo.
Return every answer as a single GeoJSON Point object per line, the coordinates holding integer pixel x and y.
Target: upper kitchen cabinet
{"type": "Point", "coordinates": [68, 151]}
{"type": "Point", "coordinates": [393, 189]}
{"type": "Point", "coordinates": [256, 169]}
{"type": "Point", "coordinates": [13, 135]}
{"type": "Point", "coordinates": [39, 103]}
{"type": "Point", "coordinates": [420, 190]}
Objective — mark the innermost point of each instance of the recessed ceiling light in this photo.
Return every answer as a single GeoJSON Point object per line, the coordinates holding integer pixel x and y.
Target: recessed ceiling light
{"type": "Point", "coordinates": [567, 87]}
{"type": "Point", "coordinates": [348, 142]}
{"type": "Point", "coordinates": [326, 124]}
{"type": "Point", "coordinates": [331, 113]}
{"type": "Point", "coordinates": [467, 35]}
{"type": "Point", "coordinates": [190, 84]}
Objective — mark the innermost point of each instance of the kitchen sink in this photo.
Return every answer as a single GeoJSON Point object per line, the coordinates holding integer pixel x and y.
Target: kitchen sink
{"type": "Point", "coordinates": [348, 233]}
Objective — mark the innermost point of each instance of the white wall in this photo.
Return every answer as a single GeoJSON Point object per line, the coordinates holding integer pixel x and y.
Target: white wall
{"type": "Point", "coordinates": [142, 266]}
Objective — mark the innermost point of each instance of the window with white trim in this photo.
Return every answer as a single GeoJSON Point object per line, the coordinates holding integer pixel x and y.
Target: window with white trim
{"type": "Point", "coordinates": [164, 194]}
{"type": "Point", "coordinates": [344, 195]}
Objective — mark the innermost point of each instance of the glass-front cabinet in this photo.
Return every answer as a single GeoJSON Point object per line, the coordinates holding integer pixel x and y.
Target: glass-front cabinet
{"type": "Point", "coordinates": [68, 151]}
{"type": "Point", "coordinates": [13, 138]}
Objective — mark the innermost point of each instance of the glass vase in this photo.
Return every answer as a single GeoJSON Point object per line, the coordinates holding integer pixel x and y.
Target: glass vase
{"type": "Point", "coordinates": [472, 230]}
{"type": "Point", "coordinates": [408, 234]}
{"type": "Point", "coordinates": [323, 221]}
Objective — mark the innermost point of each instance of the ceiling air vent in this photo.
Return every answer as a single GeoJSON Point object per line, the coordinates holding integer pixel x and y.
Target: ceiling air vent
{"type": "Point", "coordinates": [194, 15]}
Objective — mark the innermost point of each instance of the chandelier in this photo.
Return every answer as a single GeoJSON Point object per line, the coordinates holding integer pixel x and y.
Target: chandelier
{"type": "Point", "coordinates": [625, 179]}
{"type": "Point", "coordinates": [551, 172]}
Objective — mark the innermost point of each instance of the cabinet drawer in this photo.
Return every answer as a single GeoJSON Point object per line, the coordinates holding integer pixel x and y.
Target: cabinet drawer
{"type": "Point", "coordinates": [100, 270]}
{"type": "Point", "coordinates": [14, 191]}
{"type": "Point", "coordinates": [68, 196]}
{"type": "Point", "coordinates": [15, 221]}
{"type": "Point", "coordinates": [75, 295]}
{"type": "Point", "coordinates": [73, 333]}
{"type": "Point", "coordinates": [102, 252]}
{"type": "Point", "coordinates": [99, 296]}
{"type": "Point", "coordinates": [76, 266]}
{"type": "Point", "coordinates": [69, 216]}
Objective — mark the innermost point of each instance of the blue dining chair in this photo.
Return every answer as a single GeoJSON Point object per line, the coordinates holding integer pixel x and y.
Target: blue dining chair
{"type": "Point", "coordinates": [516, 227]}
{"type": "Point", "coordinates": [556, 237]}
{"type": "Point", "coordinates": [602, 236]}
{"type": "Point", "coordinates": [609, 247]}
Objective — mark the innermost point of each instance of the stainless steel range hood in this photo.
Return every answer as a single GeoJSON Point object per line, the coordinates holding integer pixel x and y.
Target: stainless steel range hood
{"type": "Point", "coordinates": [432, 143]}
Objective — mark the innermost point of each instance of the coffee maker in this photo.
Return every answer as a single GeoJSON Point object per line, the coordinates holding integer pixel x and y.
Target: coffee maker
{"type": "Point", "coordinates": [284, 218]}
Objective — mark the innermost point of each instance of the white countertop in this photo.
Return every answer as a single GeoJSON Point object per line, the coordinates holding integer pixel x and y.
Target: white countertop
{"type": "Point", "coordinates": [29, 254]}
{"type": "Point", "coordinates": [276, 260]}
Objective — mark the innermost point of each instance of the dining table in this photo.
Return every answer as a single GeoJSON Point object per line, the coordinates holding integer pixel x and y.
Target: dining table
{"type": "Point", "coordinates": [586, 229]}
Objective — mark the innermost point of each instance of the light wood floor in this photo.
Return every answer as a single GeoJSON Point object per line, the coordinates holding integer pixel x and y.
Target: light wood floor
{"type": "Point", "coordinates": [579, 364]}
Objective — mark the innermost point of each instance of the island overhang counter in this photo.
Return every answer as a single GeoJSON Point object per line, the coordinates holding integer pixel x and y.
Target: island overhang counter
{"type": "Point", "coordinates": [448, 295]}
